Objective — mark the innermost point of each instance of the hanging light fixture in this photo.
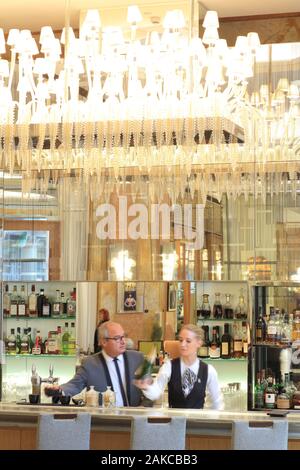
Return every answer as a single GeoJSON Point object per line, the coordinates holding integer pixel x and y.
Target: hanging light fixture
{"type": "Point", "coordinates": [167, 100]}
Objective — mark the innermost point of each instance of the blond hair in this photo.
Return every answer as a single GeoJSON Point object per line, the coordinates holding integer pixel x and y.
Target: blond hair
{"type": "Point", "coordinates": [197, 330]}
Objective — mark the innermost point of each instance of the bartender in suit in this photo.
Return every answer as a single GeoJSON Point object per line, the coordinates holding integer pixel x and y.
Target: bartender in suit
{"type": "Point", "coordinates": [113, 366]}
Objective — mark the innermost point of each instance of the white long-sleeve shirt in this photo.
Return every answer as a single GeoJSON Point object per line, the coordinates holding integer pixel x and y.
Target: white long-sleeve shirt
{"type": "Point", "coordinates": [213, 398]}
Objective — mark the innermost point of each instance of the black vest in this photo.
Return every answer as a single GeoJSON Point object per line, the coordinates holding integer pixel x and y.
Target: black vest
{"type": "Point", "coordinates": [196, 397]}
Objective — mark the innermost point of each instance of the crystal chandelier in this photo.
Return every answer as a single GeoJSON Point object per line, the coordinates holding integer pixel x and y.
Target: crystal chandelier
{"type": "Point", "coordinates": [187, 106]}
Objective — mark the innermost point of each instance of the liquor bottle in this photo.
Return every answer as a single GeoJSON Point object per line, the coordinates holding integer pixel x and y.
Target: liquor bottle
{"type": "Point", "coordinates": [14, 302]}
{"type": "Point", "coordinates": [24, 342]}
{"type": "Point", "coordinates": [237, 341]}
{"type": "Point", "coordinates": [286, 331]}
{"type": "Point", "coordinates": [278, 323]}
{"type": "Point", "coordinates": [260, 327]}
{"type": "Point", "coordinates": [56, 306]}
{"type": "Point", "coordinates": [71, 304]}
{"type": "Point", "coordinates": [38, 344]}
{"type": "Point", "coordinates": [18, 341]}
{"type": "Point", "coordinates": [271, 327]}
{"type": "Point", "coordinates": [59, 340]}
{"type": "Point", "coordinates": [32, 303]}
{"type": "Point", "coordinates": [296, 326]}
{"type": "Point", "coordinates": [270, 394]}
{"type": "Point", "coordinates": [205, 310]}
{"type": "Point", "coordinates": [241, 309]}
{"type": "Point", "coordinates": [6, 302]}
{"type": "Point", "coordinates": [52, 342]}
{"type": "Point", "coordinates": [245, 339]}
{"type": "Point", "coordinates": [259, 393]}
{"type": "Point", "coordinates": [46, 310]}
{"type": "Point", "coordinates": [204, 349]}
{"type": "Point", "coordinates": [63, 305]}
{"type": "Point", "coordinates": [11, 342]}
{"type": "Point", "coordinates": [22, 303]}
{"type": "Point", "coordinates": [30, 340]}
{"type": "Point", "coordinates": [214, 348]}
{"type": "Point", "coordinates": [72, 340]}
{"type": "Point", "coordinates": [226, 343]}
{"type": "Point", "coordinates": [65, 340]}
{"type": "Point", "coordinates": [228, 310]}
{"type": "Point", "coordinates": [144, 371]}
{"type": "Point", "coordinates": [217, 308]}
{"type": "Point", "coordinates": [40, 302]}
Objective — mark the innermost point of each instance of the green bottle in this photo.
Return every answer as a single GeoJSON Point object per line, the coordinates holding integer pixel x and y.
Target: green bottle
{"type": "Point", "coordinates": [145, 369]}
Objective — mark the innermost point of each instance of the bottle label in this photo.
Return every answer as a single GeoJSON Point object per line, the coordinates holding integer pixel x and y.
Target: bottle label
{"type": "Point", "coordinates": [56, 308]}
{"type": "Point", "coordinates": [203, 351]}
{"type": "Point", "coordinates": [11, 346]}
{"type": "Point", "coordinates": [32, 303]}
{"type": "Point", "coordinates": [238, 345]}
{"type": "Point", "coordinates": [245, 347]}
{"type": "Point", "coordinates": [272, 330]}
{"type": "Point", "coordinates": [46, 310]}
{"type": "Point", "coordinates": [24, 347]}
{"type": "Point", "coordinates": [225, 349]}
{"type": "Point", "coordinates": [13, 310]}
{"type": "Point", "coordinates": [214, 352]}
{"type": "Point", "coordinates": [269, 398]}
{"type": "Point", "coordinates": [22, 310]}
{"type": "Point", "coordinates": [258, 334]}
{"type": "Point", "coordinates": [52, 345]}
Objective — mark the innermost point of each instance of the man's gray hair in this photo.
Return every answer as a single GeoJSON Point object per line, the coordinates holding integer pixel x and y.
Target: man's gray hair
{"type": "Point", "coordinates": [103, 329]}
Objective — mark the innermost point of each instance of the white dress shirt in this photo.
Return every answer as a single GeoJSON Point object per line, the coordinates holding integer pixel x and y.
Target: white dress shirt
{"type": "Point", "coordinates": [114, 377]}
{"type": "Point", "coordinates": [213, 398]}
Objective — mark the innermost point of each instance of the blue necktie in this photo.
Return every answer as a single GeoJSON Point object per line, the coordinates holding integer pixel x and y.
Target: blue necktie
{"type": "Point", "coordinates": [125, 402]}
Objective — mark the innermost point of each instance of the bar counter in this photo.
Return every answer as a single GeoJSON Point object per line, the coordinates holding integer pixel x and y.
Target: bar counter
{"type": "Point", "coordinates": [206, 429]}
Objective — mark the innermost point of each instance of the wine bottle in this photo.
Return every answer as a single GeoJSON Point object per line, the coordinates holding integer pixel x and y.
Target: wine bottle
{"type": "Point", "coordinates": [145, 369]}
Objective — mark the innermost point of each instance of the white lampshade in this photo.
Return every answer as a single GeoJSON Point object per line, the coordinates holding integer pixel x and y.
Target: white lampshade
{"type": "Point", "coordinates": [71, 35]}
{"type": "Point", "coordinates": [134, 14]}
{"type": "Point", "coordinates": [4, 68]}
{"type": "Point", "coordinates": [13, 36]}
{"type": "Point", "coordinates": [253, 40]}
{"type": "Point", "coordinates": [283, 85]}
{"type": "Point", "coordinates": [174, 19]}
{"type": "Point", "coordinates": [46, 34]}
{"type": "Point", "coordinates": [241, 43]}
{"type": "Point", "coordinates": [2, 42]}
{"type": "Point", "coordinates": [210, 36]}
{"type": "Point", "coordinates": [92, 20]}
{"type": "Point", "coordinates": [211, 20]}
{"type": "Point", "coordinates": [293, 92]}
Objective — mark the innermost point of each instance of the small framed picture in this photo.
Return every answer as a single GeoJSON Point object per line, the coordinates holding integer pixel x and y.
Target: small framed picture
{"type": "Point", "coordinates": [129, 304]}
{"type": "Point", "coordinates": [172, 297]}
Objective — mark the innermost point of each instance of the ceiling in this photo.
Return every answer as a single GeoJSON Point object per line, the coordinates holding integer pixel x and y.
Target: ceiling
{"type": "Point", "coordinates": [32, 14]}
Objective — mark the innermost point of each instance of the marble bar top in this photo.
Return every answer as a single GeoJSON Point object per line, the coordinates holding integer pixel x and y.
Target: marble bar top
{"type": "Point", "coordinates": [198, 421]}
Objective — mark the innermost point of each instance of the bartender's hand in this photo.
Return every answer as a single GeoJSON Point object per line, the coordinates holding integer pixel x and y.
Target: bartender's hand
{"type": "Point", "coordinates": [143, 384]}
{"type": "Point", "coordinates": [52, 390]}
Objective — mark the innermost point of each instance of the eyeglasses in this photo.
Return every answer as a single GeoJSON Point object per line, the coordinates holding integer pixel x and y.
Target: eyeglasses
{"type": "Point", "coordinates": [118, 339]}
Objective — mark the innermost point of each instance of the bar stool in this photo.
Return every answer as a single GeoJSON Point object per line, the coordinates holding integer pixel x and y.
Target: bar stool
{"type": "Point", "coordinates": [260, 435]}
{"type": "Point", "coordinates": [64, 431]}
{"type": "Point", "coordinates": [158, 433]}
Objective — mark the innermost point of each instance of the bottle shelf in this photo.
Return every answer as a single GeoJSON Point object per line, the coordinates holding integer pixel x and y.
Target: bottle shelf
{"type": "Point", "coordinates": [49, 356]}
{"type": "Point", "coordinates": [230, 320]}
{"type": "Point", "coordinates": [38, 318]}
{"type": "Point", "coordinates": [270, 345]}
